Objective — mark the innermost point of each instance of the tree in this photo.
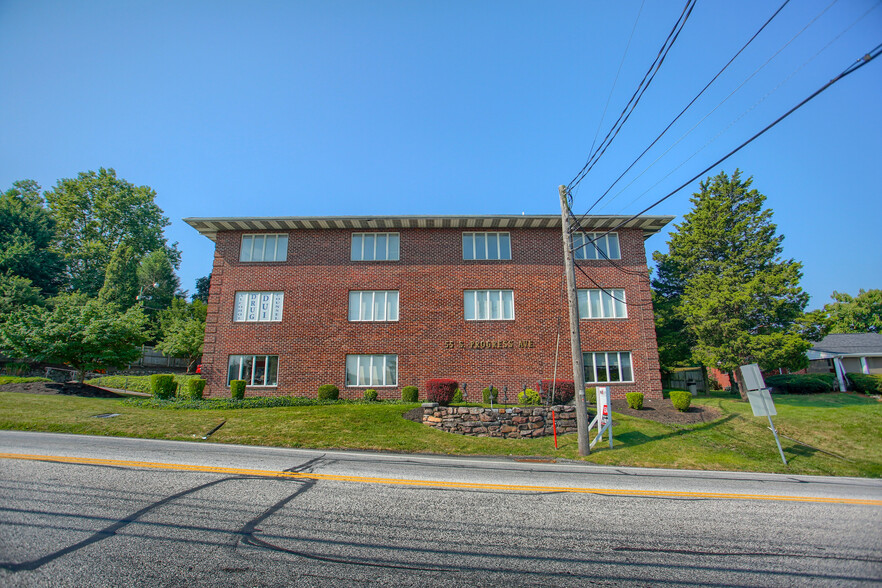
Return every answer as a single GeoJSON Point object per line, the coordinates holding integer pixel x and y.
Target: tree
{"type": "Point", "coordinates": [16, 293]}
{"type": "Point", "coordinates": [861, 314]}
{"type": "Point", "coordinates": [86, 334]}
{"type": "Point", "coordinates": [121, 278]}
{"type": "Point", "coordinates": [203, 285]}
{"type": "Point", "coordinates": [157, 281]}
{"type": "Point", "coordinates": [95, 213]}
{"type": "Point", "coordinates": [183, 330]}
{"type": "Point", "coordinates": [724, 276]}
{"type": "Point", "coordinates": [27, 233]}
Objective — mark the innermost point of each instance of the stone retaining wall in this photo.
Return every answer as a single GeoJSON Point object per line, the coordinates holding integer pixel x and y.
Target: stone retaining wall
{"type": "Point", "coordinates": [513, 423]}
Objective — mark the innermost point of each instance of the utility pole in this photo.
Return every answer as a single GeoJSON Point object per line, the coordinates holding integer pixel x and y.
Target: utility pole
{"type": "Point", "coordinates": [575, 338]}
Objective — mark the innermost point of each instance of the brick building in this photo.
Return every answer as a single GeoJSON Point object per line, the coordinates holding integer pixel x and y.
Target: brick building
{"type": "Point", "coordinates": [387, 302]}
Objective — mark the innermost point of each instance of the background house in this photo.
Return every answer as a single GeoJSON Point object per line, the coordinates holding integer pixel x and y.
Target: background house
{"type": "Point", "coordinates": [842, 353]}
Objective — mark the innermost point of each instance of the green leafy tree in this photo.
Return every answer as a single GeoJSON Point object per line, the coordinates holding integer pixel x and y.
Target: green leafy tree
{"type": "Point", "coordinates": [158, 283]}
{"type": "Point", "coordinates": [96, 213]}
{"type": "Point", "coordinates": [183, 330]}
{"type": "Point", "coordinates": [86, 334]}
{"type": "Point", "coordinates": [121, 278]}
{"type": "Point", "coordinates": [725, 277]}
{"type": "Point", "coordinates": [17, 293]}
{"type": "Point", "coordinates": [27, 234]}
{"type": "Point", "coordinates": [860, 314]}
{"type": "Point", "coordinates": [202, 287]}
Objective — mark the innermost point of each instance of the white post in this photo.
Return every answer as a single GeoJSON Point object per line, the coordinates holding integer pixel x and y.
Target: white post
{"type": "Point", "coordinates": [865, 368]}
{"type": "Point", "coordinates": [840, 373]}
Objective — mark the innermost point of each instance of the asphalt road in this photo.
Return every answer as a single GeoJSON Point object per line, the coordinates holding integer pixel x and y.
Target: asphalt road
{"type": "Point", "coordinates": [95, 511]}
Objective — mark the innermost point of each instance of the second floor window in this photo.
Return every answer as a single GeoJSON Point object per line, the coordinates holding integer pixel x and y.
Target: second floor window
{"type": "Point", "coordinates": [489, 305]}
{"type": "Point", "coordinates": [374, 247]}
{"type": "Point", "coordinates": [258, 306]}
{"type": "Point", "coordinates": [264, 248]}
{"type": "Point", "coordinates": [373, 305]}
{"type": "Point", "coordinates": [596, 246]}
{"type": "Point", "coordinates": [486, 246]}
{"type": "Point", "coordinates": [602, 304]}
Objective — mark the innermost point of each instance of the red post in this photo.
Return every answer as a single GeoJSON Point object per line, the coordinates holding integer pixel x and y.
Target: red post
{"type": "Point", "coordinates": [554, 427]}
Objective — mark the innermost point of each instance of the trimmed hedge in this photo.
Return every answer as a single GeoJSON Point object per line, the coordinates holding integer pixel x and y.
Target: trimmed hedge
{"type": "Point", "coordinates": [441, 390]}
{"type": "Point", "coordinates": [801, 383]}
{"type": "Point", "coordinates": [529, 396]}
{"type": "Point", "coordinates": [410, 394]}
{"type": "Point", "coordinates": [163, 386]}
{"type": "Point", "coordinates": [591, 395]}
{"type": "Point", "coordinates": [328, 392]}
{"type": "Point", "coordinates": [490, 394]}
{"type": "Point", "coordinates": [564, 391]}
{"type": "Point", "coordinates": [635, 400]}
{"type": "Point", "coordinates": [231, 404]}
{"type": "Point", "coordinates": [866, 384]}
{"type": "Point", "coordinates": [681, 399]}
{"type": "Point", "coordinates": [192, 390]}
{"type": "Point", "coordinates": [237, 389]}
{"type": "Point", "coordinates": [370, 395]}
{"type": "Point", "coordinates": [457, 396]}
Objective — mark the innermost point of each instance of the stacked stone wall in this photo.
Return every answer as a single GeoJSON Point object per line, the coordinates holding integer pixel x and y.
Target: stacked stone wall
{"type": "Point", "coordinates": [512, 423]}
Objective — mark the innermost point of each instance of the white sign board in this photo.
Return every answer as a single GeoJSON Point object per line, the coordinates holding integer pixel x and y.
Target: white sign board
{"type": "Point", "coordinates": [752, 377]}
{"type": "Point", "coordinates": [603, 402]}
{"type": "Point", "coordinates": [761, 403]}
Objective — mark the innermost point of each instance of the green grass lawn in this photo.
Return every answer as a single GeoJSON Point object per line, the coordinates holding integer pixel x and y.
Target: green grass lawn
{"type": "Point", "coordinates": [840, 423]}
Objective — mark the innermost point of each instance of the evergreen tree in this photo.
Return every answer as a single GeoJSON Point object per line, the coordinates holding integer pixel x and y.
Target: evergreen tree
{"type": "Point", "coordinates": [121, 278]}
{"type": "Point", "coordinates": [726, 281]}
{"type": "Point", "coordinates": [203, 285]}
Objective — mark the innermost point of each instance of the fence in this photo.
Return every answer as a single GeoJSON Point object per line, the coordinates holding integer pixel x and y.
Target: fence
{"type": "Point", "coordinates": [683, 379]}
{"type": "Point", "coordinates": [150, 357]}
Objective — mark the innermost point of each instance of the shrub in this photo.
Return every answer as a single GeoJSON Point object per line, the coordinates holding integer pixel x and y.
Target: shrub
{"type": "Point", "coordinates": [441, 390]}
{"type": "Point", "coordinates": [801, 383]}
{"type": "Point", "coordinates": [328, 392]}
{"type": "Point", "coordinates": [16, 369]}
{"type": "Point", "coordinates": [457, 396]}
{"type": "Point", "coordinates": [529, 396]}
{"type": "Point", "coordinates": [490, 394]}
{"type": "Point", "coordinates": [237, 389]}
{"type": "Point", "coordinates": [193, 389]}
{"type": "Point", "coordinates": [865, 384]}
{"type": "Point", "coordinates": [591, 395]}
{"type": "Point", "coordinates": [681, 399]}
{"type": "Point", "coordinates": [564, 391]}
{"type": "Point", "coordinates": [163, 386]}
{"type": "Point", "coordinates": [635, 400]}
{"type": "Point", "coordinates": [370, 395]}
{"type": "Point", "coordinates": [410, 394]}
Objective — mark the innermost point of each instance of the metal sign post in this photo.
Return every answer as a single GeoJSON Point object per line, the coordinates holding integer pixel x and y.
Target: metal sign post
{"type": "Point", "coordinates": [603, 419]}
{"type": "Point", "coordinates": [760, 399]}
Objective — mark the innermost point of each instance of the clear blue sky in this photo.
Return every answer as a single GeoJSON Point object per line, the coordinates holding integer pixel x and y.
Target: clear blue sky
{"type": "Point", "coordinates": [454, 107]}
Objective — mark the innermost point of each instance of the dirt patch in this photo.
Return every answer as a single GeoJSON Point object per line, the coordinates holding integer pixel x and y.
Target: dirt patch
{"type": "Point", "coordinates": [67, 388]}
{"type": "Point", "coordinates": [414, 414]}
{"type": "Point", "coordinates": [662, 411]}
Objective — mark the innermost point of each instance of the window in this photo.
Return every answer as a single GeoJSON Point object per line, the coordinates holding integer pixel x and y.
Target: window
{"type": "Point", "coordinates": [486, 246]}
{"type": "Point", "coordinates": [373, 305]}
{"type": "Point", "coordinates": [374, 246]}
{"type": "Point", "coordinates": [256, 370]}
{"type": "Point", "coordinates": [605, 247]}
{"type": "Point", "coordinates": [492, 305]}
{"type": "Point", "coordinates": [264, 248]}
{"type": "Point", "coordinates": [258, 306]}
{"type": "Point", "coordinates": [602, 304]}
{"type": "Point", "coordinates": [605, 367]}
{"type": "Point", "coordinates": [371, 370]}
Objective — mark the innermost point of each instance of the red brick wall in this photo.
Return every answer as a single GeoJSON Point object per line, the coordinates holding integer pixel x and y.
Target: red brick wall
{"type": "Point", "coordinates": [315, 336]}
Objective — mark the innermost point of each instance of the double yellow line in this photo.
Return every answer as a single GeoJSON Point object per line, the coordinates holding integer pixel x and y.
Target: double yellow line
{"type": "Point", "coordinates": [431, 483]}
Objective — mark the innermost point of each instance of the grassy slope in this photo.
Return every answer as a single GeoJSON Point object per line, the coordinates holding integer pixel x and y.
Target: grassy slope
{"type": "Point", "coordinates": [844, 424]}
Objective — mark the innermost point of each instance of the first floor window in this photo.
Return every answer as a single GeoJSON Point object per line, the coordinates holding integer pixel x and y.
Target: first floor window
{"type": "Point", "coordinates": [492, 305]}
{"type": "Point", "coordinates": [373, 305]}
{"type": "Point", "coordinates": [596, 246]}
{"type": "Point", "coordinates": [604, 367]}
{"type": "Point", "coordinates": [371, 370]}
{"type": "Point", "coordinates": [256, 370]}
{"type": "Point", "coordinates": [264, 248]}
{"type": "Point", "coordinates": [258, 306]}
{"type": "Point", "coordinates": [600, 304]}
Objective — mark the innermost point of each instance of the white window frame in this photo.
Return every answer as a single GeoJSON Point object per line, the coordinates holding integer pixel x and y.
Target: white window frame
{"type": "Point", "coordinates": [369, 365]}
{"type": "Point", "coordinates": [609, 303]}
{"type": "Point", "coordinates": [359, 240]}
{"type": "Point", "coordinates": [490, 298]}
{"type": "Point", "coordinates": [249, 381]}
{"type": "Point", "coordinates": [258, 307]}
{"type": "Point", "coordinates": [251, 239]}
{"type": "Point", "coordinates": [591, 378]}
{"type": "Point", "coordinates": [470, 240]}
{"type": "Point", "coordinates": [361, 299]}
{"type": "Point", "coordinates": [608, 244]}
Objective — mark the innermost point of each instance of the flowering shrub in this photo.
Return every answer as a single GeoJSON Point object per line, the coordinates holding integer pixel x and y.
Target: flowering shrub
{"type": "Point", "coordinates": [441, 390]}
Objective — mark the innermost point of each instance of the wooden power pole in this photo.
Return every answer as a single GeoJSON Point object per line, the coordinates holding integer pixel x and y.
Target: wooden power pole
{"type": "Point", "coordinates": [575, 338]}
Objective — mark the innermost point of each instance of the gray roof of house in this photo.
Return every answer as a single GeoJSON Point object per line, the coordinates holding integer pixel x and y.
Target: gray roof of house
{"type": "Point", "coordinates": [850, 344]}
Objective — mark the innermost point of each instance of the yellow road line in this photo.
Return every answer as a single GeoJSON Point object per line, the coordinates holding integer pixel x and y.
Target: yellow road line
{"type": "Point", "coordinates": [431, 483]}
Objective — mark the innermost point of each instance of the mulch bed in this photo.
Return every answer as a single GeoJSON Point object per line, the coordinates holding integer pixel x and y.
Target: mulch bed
{"type": "Point", "coordinates": [67, 388]}
{"type": "Point", "coordinates": [662, 411]}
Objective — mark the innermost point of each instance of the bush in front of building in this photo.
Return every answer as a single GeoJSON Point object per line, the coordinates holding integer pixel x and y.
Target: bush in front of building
{"type": "Point", "coordinates": [457, 396]}
{"type": "Point", "coordinates": [564, 391]}
{"type": "Point", "coordinates": [192, 390]}
{"type": "Point", "coordinates": [529, 396]}
{"type": "Point", "coordinates": [163, 386]}
{"type": "Point", "coordinates": [441, 390]}
{"type": "Point", "coordinates": [328, 392]}
{"type": "Point", "coordinates": [370, 395]}
{"type": "Point", "coordinates": [591, 395]}
{"type": "Point", "coordinates": [801, 383]}
{"type": "Point", "coordinates": [866, 384]}
{"type": "Point", "coordinates": [681, 399]}
{"type": "Point", "coordinates": [410, 394]}
{"type": "Point", "coordinates": [237, 389]}
{"type": "Point", "coordinates": [635, 400]}
{"type": "Point", "coordinates": [490, 394]}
